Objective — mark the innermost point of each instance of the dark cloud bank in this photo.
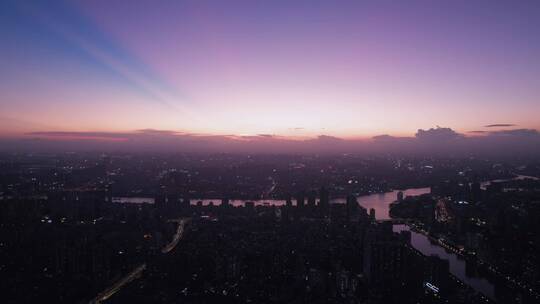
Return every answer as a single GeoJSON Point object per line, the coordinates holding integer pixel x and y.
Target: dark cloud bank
{"type": "Point", "coordinates": [499, 125]}
{"type": "Point", "coordinates": [511, 142]}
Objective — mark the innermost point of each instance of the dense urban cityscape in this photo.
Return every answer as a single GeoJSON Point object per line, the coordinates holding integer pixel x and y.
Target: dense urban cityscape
{"type": "Point", "coordinates": [138, 228]}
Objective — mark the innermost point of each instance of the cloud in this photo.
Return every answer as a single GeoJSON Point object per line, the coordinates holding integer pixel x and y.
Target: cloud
{"type": "Point", "coordinates": [508, 133]}
{"type": "Point", "coordinates": [159, 132]}
{"type": "Point", "coordinates": [329, 138]}
{"type": "Point", "coordinates": [383, 137]}
{"type": "Point", "coordinates": [68, 135]}
{"type": "Point", "coordinates": [499, 125]}
{"type": "Point", "coordinates": [78, 134]}
{"type": "Point", "coordinates": [437, 134]}
{"type": "Point", "coordinates": [256, 137]}
{"type": "Point", "coordinates": [434, 141]}
{"type": "Point", "coordinates": [478, 132]}
{"type": "Point", "coordinates": [89, 135]}
{"type": "Point", "coordinates": [516, 132]}
{"type": "Point", "coordinates": [390, 142]}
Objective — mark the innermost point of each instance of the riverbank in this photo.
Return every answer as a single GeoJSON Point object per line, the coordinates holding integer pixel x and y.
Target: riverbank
{"type": "Point", "coordinates": [471, 257]}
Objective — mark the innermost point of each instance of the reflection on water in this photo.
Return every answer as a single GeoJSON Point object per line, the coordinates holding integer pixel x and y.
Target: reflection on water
{"type": "Point", "coordinates": [457, 265]}
{"type": "Point", "coordinates": [239, 203]}
{"type": "Point", "coordinates": [133, 200]}
{"type": "Point", "coordinates": [485, 184]}
{"type": "Point", "coordinates": [380, 201]}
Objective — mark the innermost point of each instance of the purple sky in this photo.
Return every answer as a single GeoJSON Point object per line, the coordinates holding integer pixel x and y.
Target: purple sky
{"type": "Point", "coordinates": [300, 69]}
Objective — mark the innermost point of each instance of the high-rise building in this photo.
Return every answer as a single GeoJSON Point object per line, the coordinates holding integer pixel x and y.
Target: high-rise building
{"type": "Point", "coordinates": [351, 206]}
{"type": "Point", "coordinates": [436, 274]}
{"type": "Point", "coordinates": [300, 199]}
{"type": "Point", "coordinates": [384, 254]}
{"type": "Point", "coordinates": [372, 214]}
{"type": "Point", "coordinates": [225, 202]}
{"type": "Point", "coordinates": [324, 197]}
{"type": "Point", "coordinates": [288, 202]}
{"type": "Point", "coordinates": [312, 199]}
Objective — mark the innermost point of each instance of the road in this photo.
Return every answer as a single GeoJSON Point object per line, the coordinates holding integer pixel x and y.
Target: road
{"type": "Point", "coordinates": [137, 272]}
{"type": "Point", "coordinates": [266, 194]}
{"type": "Point", "coordinates": [134, 274]}
{"type": "Point", "coordinates": [177, 236]}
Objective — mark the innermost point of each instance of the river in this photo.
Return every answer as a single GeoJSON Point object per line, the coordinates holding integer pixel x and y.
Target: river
{"type": "Point", "coordinates": [485, 184]}
{"type": "Point", "coordinates": [457, 264]}
{"type": "Point", "coordinates": [381, 203]}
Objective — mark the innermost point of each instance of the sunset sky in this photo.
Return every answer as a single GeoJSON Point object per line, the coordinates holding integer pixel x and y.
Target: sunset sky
{"type": "Point", "coordinates": [350, 69]}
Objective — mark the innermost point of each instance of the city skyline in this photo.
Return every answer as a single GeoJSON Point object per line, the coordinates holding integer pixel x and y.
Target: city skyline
{"type": "Point", "coordinates": [295, 70]}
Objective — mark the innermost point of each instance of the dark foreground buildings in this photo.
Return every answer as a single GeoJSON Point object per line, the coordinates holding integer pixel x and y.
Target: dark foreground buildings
{"type": "Point", "coordinates": [77, 247]}
{"type": "Point", "coordinates": [65, 237]}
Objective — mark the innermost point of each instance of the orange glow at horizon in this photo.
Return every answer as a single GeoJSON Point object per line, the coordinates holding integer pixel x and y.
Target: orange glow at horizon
{"type": "Point", "coordinates": [225, 69]}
